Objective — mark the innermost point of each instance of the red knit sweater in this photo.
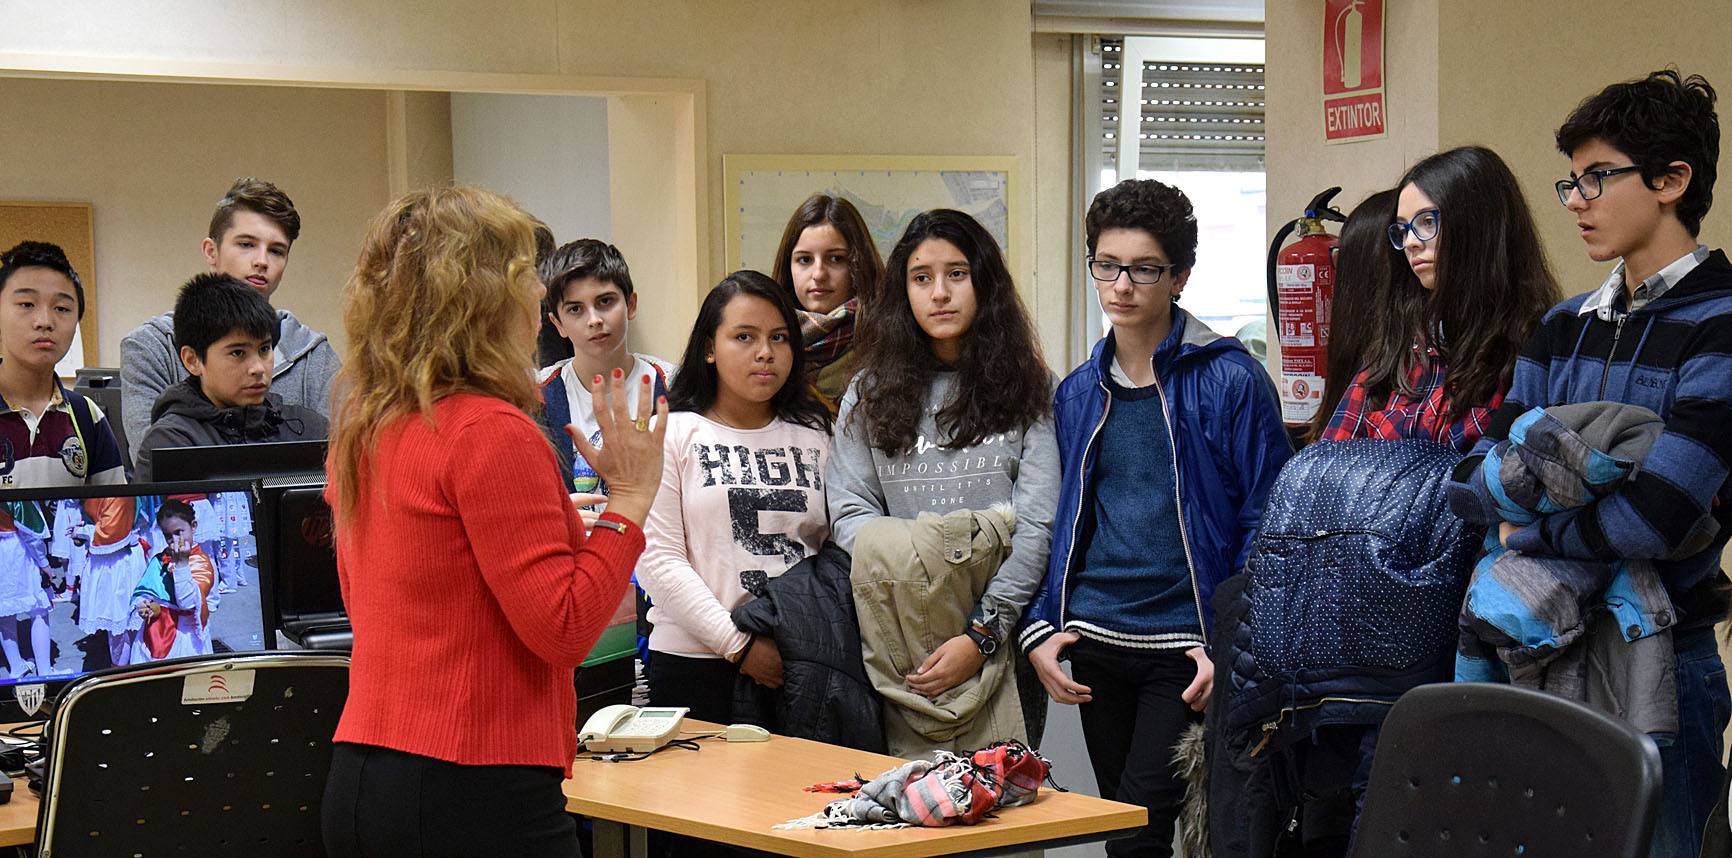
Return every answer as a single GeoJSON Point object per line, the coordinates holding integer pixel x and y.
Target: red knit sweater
{"type": "Point", "coordinates": [472, 590]}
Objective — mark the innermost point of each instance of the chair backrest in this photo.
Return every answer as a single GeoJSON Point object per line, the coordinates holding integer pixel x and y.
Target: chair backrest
{"type": "Point", "coordinates": [215, 756]}
{"type": "Point", "coordinates": [1473, 769]}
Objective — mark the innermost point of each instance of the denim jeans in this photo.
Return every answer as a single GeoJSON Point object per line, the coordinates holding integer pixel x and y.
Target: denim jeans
{"type": "Point", "coordinates": [1691, 762]}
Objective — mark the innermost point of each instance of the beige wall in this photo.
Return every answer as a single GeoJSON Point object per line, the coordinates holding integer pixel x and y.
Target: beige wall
{"type": "Point", "coordinates": [1056, 296]}
{"type": "Point", "coordinates": [1512, 76]}
{"type": "Point", "coordinates": [1300, 164]}
{"type": "Point", "coordinates": [1486, 72]}
{"type": "Point", "coordinates": [418, 139]}
{"type": "Point", "coordinates": [153, 160]}
{"type": "Point", "coordinates": [781, 76]}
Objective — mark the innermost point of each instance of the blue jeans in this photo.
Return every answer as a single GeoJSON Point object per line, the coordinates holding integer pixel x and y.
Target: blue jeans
{"type": "Point", "coordinates": [1691, 762]}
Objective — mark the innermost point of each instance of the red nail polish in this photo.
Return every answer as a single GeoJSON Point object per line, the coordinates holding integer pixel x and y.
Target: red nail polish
{"type": "Point", "coordinates": [618, 374]}
{"type": "Point", "coordinates": [597, 379]}
{"type": "Point", "coordinates": [646, 379]}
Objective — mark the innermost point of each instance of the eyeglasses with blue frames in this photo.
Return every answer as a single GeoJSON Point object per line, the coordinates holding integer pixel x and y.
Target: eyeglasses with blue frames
{"type": "Point", "coordinates": [1590, 184]}
{"type": "Point", "coordinates": [1142, 273]}
{"type": "Point", "coordinates": [1423, 226]}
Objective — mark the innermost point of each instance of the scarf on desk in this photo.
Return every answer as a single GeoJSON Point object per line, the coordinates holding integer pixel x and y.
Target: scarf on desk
{"type": "Point", "coordinates": [827, 335]}
{"type": "Point", "coordinates": [946, 790]}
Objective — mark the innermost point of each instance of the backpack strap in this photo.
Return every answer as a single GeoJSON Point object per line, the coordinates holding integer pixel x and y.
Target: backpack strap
{"type": "Point", "coordinates": [556, 412]}
{"type": "Point", "coordinates": [88, 427]}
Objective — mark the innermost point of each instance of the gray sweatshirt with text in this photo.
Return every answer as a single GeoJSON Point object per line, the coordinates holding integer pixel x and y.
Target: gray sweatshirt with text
{"type": "Point", "coordinates": [1016, 468]}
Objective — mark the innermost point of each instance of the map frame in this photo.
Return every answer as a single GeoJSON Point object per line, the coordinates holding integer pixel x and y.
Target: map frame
{"type": "Point", "coordinates": [745, 177]}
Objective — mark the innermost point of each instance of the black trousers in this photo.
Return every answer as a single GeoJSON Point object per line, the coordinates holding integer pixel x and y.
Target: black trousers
{"type": "Point", "coordinates": [1130, 726]}
{"type": "Point", "coordinates": [381, 803]}
{"type": "Point", "coordinates": [703, 685]}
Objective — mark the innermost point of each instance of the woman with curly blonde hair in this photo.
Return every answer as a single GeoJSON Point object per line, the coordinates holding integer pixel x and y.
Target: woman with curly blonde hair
{"type": "Point", "coordinates": [471, 585]}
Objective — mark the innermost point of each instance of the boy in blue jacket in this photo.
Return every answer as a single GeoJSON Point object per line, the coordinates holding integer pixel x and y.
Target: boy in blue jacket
{"type": "Point", "coordinates": [1169, 437]}
{"type": "Point", "coordinates": [1658, 334]}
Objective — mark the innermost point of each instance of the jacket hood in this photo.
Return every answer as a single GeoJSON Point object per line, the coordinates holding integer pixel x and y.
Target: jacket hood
{"type": "Point", "coordinates": [237, 424]}
{"type": "Point", "coordinates": [294, 340]}
{"type": "Point", "coordinates": [185, 399]}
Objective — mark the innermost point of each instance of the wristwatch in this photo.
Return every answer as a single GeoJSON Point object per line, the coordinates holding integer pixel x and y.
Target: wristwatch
{"type": "Point", "coordinates": [984, 638]}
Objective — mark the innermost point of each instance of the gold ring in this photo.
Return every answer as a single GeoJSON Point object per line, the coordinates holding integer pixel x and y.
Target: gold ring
{"type": "Point", "coordinates": [642, 424]}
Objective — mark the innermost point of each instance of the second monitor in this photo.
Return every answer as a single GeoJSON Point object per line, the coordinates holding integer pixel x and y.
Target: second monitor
{"type": "Point", "coordinates": [238, 461]}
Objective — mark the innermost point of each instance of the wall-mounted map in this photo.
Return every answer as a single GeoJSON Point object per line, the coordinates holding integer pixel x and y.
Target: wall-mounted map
{"type": "Point", "coordinates": [762, 191]}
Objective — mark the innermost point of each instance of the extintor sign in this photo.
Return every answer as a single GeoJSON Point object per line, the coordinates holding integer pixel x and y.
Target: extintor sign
{"type": "Point", "coordinates": [1353, 102]}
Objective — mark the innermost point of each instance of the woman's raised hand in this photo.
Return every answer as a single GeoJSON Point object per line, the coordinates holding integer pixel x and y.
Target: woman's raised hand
{"type": "Point", "coordinates": [630, 456]}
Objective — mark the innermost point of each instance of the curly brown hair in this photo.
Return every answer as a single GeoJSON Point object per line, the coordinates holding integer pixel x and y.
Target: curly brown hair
{"type": "Point", "coordinates": [1002, 382]}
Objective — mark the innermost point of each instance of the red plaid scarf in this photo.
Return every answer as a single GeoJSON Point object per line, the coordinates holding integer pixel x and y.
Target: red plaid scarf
{"type": "Point", "coordinates": [827, 335]}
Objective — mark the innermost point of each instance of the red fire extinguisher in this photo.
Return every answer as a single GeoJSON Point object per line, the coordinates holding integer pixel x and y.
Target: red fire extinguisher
{"type": "Point", "coordinates": [1301, 294]}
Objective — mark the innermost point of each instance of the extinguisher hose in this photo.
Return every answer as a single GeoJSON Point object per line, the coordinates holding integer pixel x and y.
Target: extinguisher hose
{"type": "Point", "coordinates": [1274, 255]}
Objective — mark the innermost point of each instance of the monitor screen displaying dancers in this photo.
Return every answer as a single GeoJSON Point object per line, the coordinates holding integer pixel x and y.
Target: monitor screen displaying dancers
{"type": "Point", "coordinates": [92, 578]}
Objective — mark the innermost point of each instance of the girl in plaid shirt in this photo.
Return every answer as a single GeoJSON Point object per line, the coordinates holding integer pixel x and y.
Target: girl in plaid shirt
{"type": "Point", "coordinates": [1441, 346]}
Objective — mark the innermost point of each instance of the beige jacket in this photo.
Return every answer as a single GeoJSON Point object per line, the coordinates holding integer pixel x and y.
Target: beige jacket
{"type": "Point", "coordinates": [914, 584]}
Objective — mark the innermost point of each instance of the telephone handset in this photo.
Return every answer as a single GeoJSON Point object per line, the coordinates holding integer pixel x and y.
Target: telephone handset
{"type": "Point", "coordinates": [622, 728]}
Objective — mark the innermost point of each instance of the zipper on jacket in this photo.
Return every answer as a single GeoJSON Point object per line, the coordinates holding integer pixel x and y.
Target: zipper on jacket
{"type": "Point", "coordinates": [1081, 491]}
{"type": "Point", "coordinates": [1606, 371]}
{"type": "Point", "coordinates": [1270, 727]}
{"type": "Point", "coordinates": [1179, 508]}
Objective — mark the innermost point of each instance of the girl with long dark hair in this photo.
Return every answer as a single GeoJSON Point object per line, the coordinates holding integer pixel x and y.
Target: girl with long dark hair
{"type": "Point", "coordinates": [1362, 283]}
{"type": "Point", "coordinates": [827, 263]}
{"type": "Point", "coordinates": [1470, 284]}
{"type": "Point", "coordinates": [952, 410]}
{"type": "Point", "coordinates": [742, 494]}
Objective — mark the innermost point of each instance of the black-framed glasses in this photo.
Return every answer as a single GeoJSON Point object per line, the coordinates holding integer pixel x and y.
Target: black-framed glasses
{"type": "Point", "coordinates": [1423, 226]}
{"type": "Point", "coordinates": [1590, 184]}
{"type": "Point", "coordinates": [1142, 273]}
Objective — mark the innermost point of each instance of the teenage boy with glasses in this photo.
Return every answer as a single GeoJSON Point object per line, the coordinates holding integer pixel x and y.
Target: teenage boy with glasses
{"type": "Point", "coordinates": [1170, 437]}
{"type": "Point", "coordinates": [1658, 334]}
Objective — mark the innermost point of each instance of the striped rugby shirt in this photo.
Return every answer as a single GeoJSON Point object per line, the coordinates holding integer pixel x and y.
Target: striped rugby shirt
{"type": "Point", "coordinates": [58, 448]}
{"type": "Point", "coordinates": [1670, 353]}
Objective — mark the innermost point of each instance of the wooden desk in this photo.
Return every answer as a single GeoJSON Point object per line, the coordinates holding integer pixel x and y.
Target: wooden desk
{"type": "Point", "coordinates": [18, 816]}
{"type": "Point", "coordinates": [734, 792]}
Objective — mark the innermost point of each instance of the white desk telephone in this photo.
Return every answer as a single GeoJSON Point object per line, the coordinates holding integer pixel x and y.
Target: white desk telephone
{"type": "Point", "coordinates": [621, 728]}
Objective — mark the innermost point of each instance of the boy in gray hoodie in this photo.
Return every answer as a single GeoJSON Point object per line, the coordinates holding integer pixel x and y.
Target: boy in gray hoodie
{"type": "Point", "coordinates": [249, 239]}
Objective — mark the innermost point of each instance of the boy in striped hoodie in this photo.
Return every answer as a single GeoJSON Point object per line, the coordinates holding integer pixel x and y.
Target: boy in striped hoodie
{"type": "Point", "coordinates": [1657, 333]}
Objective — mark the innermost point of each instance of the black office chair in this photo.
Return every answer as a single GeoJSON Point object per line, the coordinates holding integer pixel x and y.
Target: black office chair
{"type": "Point", "coordinates": [1470, 769]}
{"type": "Point", "coordinates": [133, 770]}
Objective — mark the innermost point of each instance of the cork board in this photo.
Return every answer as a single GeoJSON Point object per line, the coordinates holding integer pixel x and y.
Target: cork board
{"type": "Point", "coordinates": [68, 225]}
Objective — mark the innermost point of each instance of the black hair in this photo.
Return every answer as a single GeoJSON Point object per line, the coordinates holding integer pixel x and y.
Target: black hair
{"type": "Point", "coordinates": [173, 508]}
{"type": "Point", "coordinates": [1362, 287]}
{"type": "Point", "coordinates": [1662, 118]}
{"type": "Point", "coordinates": [544, 243]}
{"type": "Point", "coordinates": [1002, 383]}
{"type": "Point", "coordinates": [211, 305]}
{"type": "Point", "coordinates": [40, 254]}
{"type": "Point", "coordinates": [261, 198]}
{"type": "Point", "coordinates": [1493, 284]}
{"type": "Point", "coordinates": [695, 385]}
{"type": "Point", "coordinates": [576, 260]}
{"type": "Point", "coordinates": [1160, 210]}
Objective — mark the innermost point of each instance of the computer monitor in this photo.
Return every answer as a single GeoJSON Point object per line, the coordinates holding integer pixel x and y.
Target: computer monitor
{"type": "Point", "coordinates": [101, 385]}
{"type": "Point", "coordinates": [296, 546]}
{"type": "Point", "coordinates": [88, 580]}
{"type": "Point", "coordinates": [238, 461]}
